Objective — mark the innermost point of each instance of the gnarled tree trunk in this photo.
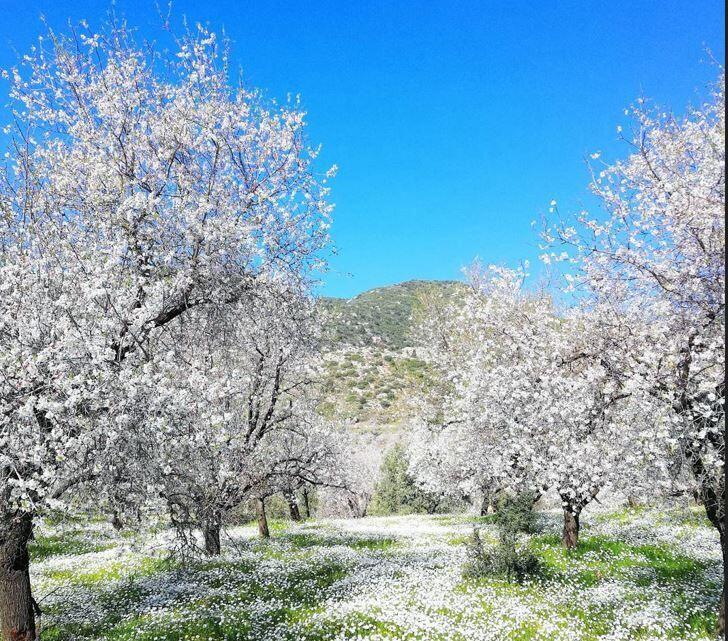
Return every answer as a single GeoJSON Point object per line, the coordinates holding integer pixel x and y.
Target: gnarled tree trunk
{"type": "Point", "coordinates": [116, 521]}
{"type": "Point", "coordinates": [712, 495]}
{"type": "Point", "coordinates": [17, 608]}
{"type": "Point", "coordinates": [356, 510]}
{"type": "Point", "coordinates": [306, 504]}
{"type": "Point", "coordinates": [263, 530]}
{"type": "Point", "coordinates": [570, 534]}
{"type": "Point", "coordinates": [211, 534]}
{"type": "Point", "coordinates": [489, 504]}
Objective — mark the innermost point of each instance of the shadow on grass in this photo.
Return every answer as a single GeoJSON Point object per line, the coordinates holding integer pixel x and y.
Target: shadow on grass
{"type": "Point", "coordinates": [309, 540]}
{"type": "Point", "coordinates": [464, 519]}
{"type": "Point", "coordinates": [206, 600]}
{"type": "Point", "coordinates": [72, 542]}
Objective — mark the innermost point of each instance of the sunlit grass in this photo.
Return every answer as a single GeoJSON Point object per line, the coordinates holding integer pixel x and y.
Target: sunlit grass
{"type": "Point", "coordinates": [398, 579]}
{"type": "Point", "coordinates": [598, 559]}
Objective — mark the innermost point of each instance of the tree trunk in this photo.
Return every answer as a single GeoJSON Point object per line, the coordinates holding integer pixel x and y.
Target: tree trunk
{"type": "Point", "coordinates": [721, 606]}
{"type": "Point", "coordinates": [116, 521]}
{"type": "Point", "coordinates": [721, 613]}
{"type": "Point", "coordinates": [306, 504]}
{"type": "Point", "coordinates": [484, 505]}
{"type": "Point", "coordinates": [633, 501]}
{"type": "Point", "coordinates": [17, 608]}
{"type": "Point", "coordinates": [488, 504]}
{"type": "Point", "coordinates": [211, 533]}
{"type": "Point", "coordinates": [262, 519]}
{"type": "Point", "coordinates": [293, 506]}
{"type": "Point", "coordinates": [570, 535]}
{"type": "Point", "coordinates": [712, 495]}
{"type": "Point", "coordinates": [354, 508]}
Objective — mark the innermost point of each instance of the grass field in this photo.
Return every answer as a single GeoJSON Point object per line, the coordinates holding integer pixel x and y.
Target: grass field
{"type": "Point", "coordinates": [638, 574]}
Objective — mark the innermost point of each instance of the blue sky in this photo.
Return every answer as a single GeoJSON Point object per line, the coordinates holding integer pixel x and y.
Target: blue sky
{"type": "Point", "coordinates": [454, 124]}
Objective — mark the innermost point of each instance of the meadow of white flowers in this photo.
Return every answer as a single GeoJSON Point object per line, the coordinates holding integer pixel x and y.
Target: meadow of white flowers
{"type": "Point", "coordinates": [639, 574]}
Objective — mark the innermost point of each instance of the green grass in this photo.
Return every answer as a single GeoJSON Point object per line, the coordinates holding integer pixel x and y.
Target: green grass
{"type": "Point", "coordinates": [692, 517]}
{"type": "Point", "coordinates": [598, 559]}
{"type": "Point", "coordinates": [275, 526]}
{"type": "Point", "coordinates": [642, 569]}
{"type": "Point", "coordinates": [114, 571]}
{"type": "Point", "coordinates": [74, 542]}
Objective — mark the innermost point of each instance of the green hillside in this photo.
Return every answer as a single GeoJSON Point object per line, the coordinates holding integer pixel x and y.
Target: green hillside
{"type": "Point", "coordinates": [381, 317]}
{"type": "Point", "coordinates": [373, 386]}
{"type": "Point", "coordinates": [371, 369]}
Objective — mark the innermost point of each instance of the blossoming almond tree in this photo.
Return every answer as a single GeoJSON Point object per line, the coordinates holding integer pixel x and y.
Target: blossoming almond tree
{"type": "Point", "coordinates": [532, 409]}
{"type": "Point", "coordinates": [466, 443]}
{"type": "Point", "coordinates": [240, 421]}
{"type": "Point", "coordinates": [658, 254]}
{"type": "Point", "coordinates": [134, 192]}
{"type": "Point", "coordinates": [358, 458]}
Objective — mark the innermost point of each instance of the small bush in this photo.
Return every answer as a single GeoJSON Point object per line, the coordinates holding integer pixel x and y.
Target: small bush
{"type": "Point", "coordinates": [509, 558]}
{"type": "Point", "coordinates": [397, 492]}
{"type": "Point", "coordinates": [515, 514]}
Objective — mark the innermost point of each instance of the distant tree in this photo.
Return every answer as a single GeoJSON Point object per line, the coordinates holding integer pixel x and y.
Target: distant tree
{"type": "Point", "coordinates": [397, 492]}
{"type": "Point", "coordinates": [529, 407]}
{"type": "Point", "coordinates": [359, 458]}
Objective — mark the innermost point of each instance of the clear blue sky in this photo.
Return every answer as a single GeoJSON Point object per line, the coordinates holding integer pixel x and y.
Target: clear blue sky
{"type": "Point", "coordinates": [453, 123]}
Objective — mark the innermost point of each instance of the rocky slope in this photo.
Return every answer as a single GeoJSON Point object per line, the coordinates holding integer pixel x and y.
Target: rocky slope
{"type": "Point", "coordinates": [372, 368]}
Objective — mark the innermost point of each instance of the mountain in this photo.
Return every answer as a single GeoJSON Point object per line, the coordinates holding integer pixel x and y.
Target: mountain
{"type": "Point", "coordinates": [384, 316]}
{"type": "Point", "coordinates": [372, 371]}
